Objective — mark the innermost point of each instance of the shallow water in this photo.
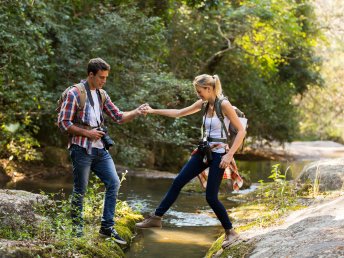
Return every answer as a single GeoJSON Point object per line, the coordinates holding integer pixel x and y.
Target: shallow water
{"type": "Point", "coordinates": [190, 226]}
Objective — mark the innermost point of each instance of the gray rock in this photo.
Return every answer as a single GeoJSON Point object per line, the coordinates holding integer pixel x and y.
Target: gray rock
{"type": "Point", "coordinates": [23, 249]}
{"type": "Point", "coordinates": [329, 172]}
{"type": "Point", "coordinates": [17, 209]}
{"type": "Point", "coordinates": [317, 231]}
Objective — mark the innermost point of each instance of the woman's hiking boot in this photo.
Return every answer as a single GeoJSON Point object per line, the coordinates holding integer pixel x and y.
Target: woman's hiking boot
{"type": "Point", "coordinates": [230, 237]}
{"type": "Point", "coordinates": [151, 221]}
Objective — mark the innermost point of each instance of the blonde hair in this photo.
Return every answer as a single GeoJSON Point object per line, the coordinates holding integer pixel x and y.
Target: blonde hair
{"type": "Point", "coordinates": [206, 80]}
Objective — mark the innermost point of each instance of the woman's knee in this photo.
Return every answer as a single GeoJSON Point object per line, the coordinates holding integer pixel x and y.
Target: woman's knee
{"type": "Point", "coordinates": [178, 183]}
{"type": "Point", "coordinates": [212, 199]}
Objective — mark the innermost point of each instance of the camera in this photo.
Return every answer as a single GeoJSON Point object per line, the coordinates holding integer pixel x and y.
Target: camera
{"type": "Point", "coordinates": [204, 148]}
{"type": "Point", "coordinates": [107, 141]}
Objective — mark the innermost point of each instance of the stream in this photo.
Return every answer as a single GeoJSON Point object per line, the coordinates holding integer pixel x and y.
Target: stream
{"type": "Point", "coordinates": [189, 227]}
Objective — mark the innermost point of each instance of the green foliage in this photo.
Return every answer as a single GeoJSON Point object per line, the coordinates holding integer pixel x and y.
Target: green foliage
{"type": "Point", "coordinates": [281, 193]}
{"type": "Point", "coordinates": [270, 57]}
{"type": "Point", "coordinates": [24, 53]}
{"type": "Point", "coordinates": [321, 109]}
{"type": "Point", "coordinates": [155, 49]}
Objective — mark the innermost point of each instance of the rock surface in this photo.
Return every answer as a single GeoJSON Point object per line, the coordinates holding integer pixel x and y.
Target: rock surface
{"type": "Point", "coordinates": [329, 173]}
{"type": "Point", "coordinates": [23, 249]}
{"type": "Point", "coordinates": [317, 231]}
{"type": "Point", "coordinates": [311, 150]}
{"type": "Point", "coordinates": [16, 209]}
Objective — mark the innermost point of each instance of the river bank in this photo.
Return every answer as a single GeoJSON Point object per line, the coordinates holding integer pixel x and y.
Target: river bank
{"type": "Point", "coordinates": [297, 150]}
{"type": "Point", "coordinates": [35, 225]}
{"type": "Point", "coordinates": [299, 218]}
{"type": "Point", "coordinates": [315, 231]}
{"type": "Point", "coordinates": [58, 163]}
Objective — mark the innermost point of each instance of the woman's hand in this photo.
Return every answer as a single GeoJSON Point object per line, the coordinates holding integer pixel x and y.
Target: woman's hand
{"type": "Point", "coordinates": [146, 109]}
{"type": "Point", "coordinates": [141, 109]}
{"type": "Point", "coordinates": [226, 160]}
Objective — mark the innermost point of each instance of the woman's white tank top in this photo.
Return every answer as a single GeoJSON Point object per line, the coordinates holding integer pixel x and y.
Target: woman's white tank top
{"type": "Point", "coordinates": [213, 129]}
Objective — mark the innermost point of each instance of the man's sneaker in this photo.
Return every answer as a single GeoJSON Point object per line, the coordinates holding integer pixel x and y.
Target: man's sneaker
{"type": "Point", "coordinates": [111, 232]}
{"type": "Point", "coordinates": [230, 237]}
{"type": "Point", "coordinates": [150, 222]}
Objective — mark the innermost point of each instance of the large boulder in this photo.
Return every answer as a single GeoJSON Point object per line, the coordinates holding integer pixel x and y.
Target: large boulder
{"type": "Point", "coordinates": [316, 231]}
{"type": "Point", "coordinates": [328, 172]}
{"type": "Point", "coordinates": [17, 210]}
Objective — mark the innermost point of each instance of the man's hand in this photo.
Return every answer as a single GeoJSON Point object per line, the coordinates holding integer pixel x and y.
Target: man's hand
{"type": "Point", "coordinates": [146, 109]}
{"type": "Point", "coordinates": [142, 110]}
{"type": "Point", "coordinates": [94, 134]}
{"type": "Point", "coordinates": [130, 115]}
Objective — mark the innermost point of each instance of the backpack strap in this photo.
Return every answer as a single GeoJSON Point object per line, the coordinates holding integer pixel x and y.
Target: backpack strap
{"type": "Point", "coordinates": [82, 91]}
{"type": "Point", "coordinates": [204, 110]}
{"type": "Point", "coordinates": [233, 131]}
{"type": "Point", "coordinates": [102, 96]}
{"type": "Point", "coordinates": [218, 110]}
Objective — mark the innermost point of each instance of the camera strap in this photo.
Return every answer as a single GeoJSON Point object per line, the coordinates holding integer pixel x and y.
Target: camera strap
{"type": "Point", "coordinates": [203, 129]}
{"type": "Point", "coordinates": [89, 95]}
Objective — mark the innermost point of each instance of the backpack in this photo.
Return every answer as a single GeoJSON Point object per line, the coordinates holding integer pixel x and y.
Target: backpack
{"type": "Point", "coordinates": [82, 91]}
{"type": "Point", "coordinates": [231, 132]}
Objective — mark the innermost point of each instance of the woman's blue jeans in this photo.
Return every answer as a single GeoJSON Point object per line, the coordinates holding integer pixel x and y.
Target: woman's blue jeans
{"type": "Point", "coordinates": [190, 170]}
{"type": "Point", "coordinates": [101, 163]}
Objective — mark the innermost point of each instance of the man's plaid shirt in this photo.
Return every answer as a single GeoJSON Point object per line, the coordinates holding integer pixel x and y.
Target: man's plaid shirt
{"type": "Point", "coordinates": [69, 112]}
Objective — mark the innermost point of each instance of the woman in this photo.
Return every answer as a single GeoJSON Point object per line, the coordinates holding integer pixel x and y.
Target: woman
{"type": "Point", "coordinates": [208, 89]}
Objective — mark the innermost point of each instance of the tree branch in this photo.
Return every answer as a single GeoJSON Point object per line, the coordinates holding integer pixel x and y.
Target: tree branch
{"type": "Point", "coordinates": [214, 60]}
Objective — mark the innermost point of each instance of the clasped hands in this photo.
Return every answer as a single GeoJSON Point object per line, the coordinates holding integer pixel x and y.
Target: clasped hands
{"type": "Point", "coordinates": [144, 109]}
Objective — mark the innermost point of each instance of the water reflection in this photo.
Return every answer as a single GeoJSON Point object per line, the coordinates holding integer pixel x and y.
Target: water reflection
{"type": "Point", "coordinates": [174, 242]}
{"type": "Point", "coordinates": [261, 170]}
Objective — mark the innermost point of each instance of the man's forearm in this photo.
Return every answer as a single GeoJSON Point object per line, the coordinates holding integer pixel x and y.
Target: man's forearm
{"type": "Point", "coordinates": [130, 115]}
{"type": "Point", "coordinates": [78, 131]}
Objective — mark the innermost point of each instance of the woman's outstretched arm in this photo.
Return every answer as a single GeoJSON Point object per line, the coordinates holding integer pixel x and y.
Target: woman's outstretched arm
{"type": "Point", "coordinates": [195, 107]}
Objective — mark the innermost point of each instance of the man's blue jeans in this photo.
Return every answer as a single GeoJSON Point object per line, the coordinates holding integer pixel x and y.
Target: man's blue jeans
{"type": "Point", "coordinates": [190, 170]}
{"type": "Point", "coordinates": [101, 163]}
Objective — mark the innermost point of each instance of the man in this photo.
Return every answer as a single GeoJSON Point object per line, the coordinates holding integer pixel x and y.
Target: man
{"type": "Point", "coordinates": [87, 149]}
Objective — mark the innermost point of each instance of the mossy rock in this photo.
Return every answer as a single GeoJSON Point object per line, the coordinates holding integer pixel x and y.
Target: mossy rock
{"type": "Point", "coordinates": [238, 249]}
{"type": "Point", "coordinates": [17, 215]}
{"type": "Point", "coordinates": [23, 249]}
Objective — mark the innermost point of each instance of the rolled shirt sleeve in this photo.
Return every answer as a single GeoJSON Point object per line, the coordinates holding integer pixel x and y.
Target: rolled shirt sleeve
{"type": "Point", "coordinates": [112, 110]}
